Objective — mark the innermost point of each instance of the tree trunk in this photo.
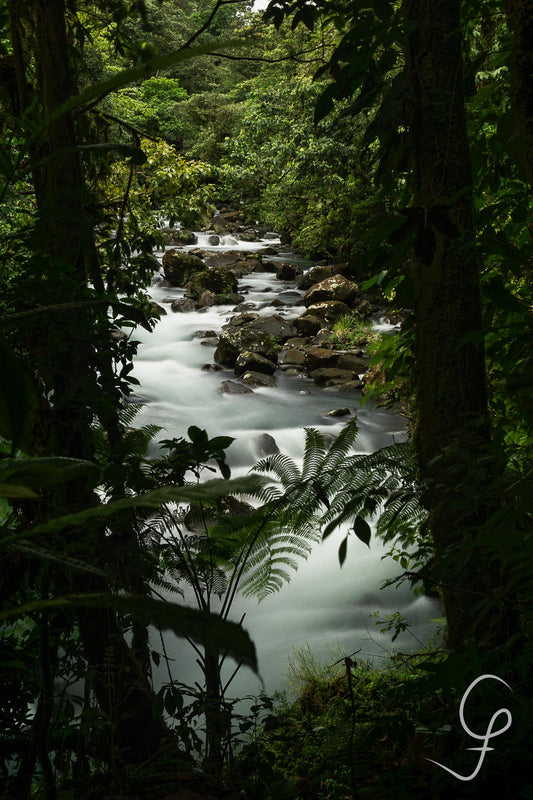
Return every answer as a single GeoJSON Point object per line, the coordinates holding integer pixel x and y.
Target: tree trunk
{"type": "Point", "coordinates": [520, 19]}
{"type": "Point", "coordinates": [63, 353]}
{"type": "Point", "coordinates": [451, 426]}
{"type": "Point", "coordinates": [216, 733]}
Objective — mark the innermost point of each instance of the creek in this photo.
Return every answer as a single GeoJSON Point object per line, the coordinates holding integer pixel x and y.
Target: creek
{"type": "Point", "coordinates": [324, 608]}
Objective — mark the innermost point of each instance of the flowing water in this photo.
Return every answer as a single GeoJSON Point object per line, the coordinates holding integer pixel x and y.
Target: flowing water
{"type": "Point", "coordinates": [324, 607]}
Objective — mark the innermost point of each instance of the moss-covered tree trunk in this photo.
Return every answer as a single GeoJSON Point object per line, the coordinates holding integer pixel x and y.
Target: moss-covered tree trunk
{"type": "Point", "coordinates": [451, 428]}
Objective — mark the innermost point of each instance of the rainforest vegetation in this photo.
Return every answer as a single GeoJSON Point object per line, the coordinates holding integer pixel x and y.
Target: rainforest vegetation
{"type": "Point", "coordinates": [394, 136]}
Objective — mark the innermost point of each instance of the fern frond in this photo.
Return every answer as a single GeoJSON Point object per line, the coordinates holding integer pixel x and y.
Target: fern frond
{"type": "Point", "coordinates": [281, 466]}
{"type": "Point", "coordinates": [315, 450]}
{"type": "Point", "coordinates": [171, 587]}
{"type": "Point", "coordinates": [340, 447]}
{"type": "Point", "coordinates": [127, 413]}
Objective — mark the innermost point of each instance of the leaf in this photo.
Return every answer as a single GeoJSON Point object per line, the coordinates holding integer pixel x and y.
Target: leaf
{"type": "Point", "coordinates": [12, 490]}
{"type": "Point", "coordinates": [342, 550]}
{"type": "Point", "coordinates": [131, 312]}
{"type": "Point", "coordinates": [209, 491]}
{"type": "Point", "coordinates": [132, 151]}
{"type": "Point", "coordinates": [38, 473]}
{"type": "Point", "coordinates": [221, 442]}
{"type": "Point", "coordinates": [207, 629]}
{"type": "Point", "coordinates": [362, 530]}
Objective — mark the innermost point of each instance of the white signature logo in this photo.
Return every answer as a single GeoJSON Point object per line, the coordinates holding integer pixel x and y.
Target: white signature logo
{"type": "Point", "coordinates": [485, 737]}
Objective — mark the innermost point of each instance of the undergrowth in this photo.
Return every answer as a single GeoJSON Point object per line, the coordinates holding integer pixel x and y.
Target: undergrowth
{"type": "Point", "coordinates": [360, 731]}
{"type": "Point", "coordinates": [351, 330]}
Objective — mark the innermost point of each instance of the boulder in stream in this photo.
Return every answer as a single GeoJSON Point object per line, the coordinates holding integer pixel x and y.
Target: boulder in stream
{"type": "Point", "coordinates": [336, 287]}
{"type": "Point", "coordinates": [287, 272]}
{"type": "Point", "coordinates": [266, 445]}
{"type": "Point", "coordinates": [249, 361]}
{"type": "Point", "coordinates": [207, 299]}
{"type": "Point", "coordinates": [292, 357]}
{"type": "Point", "coordinates": [218, 280]}
{"type": "Point", "coordinates": [180, 267]}
{"type": "Point", "coordinates": [235, 339]}
{"type": "Point", "coordinates": [354, 362]}
{"type": "Point", "coordinates": [211, 368]}
{"type": "Point", "coordinates": [328, 311]}
{"type": "Point", "coordinates": [351, 386]}
{"type": "Point", "coordinates": [313, 276]}
{"type": "Point", "coordinates": [204, 334]}
{"type": "Point", "coordinates": [338, 412]}
{"type": "Point", "coordinates": [331, 376]}
{"type": "Point", "coordinates": [232, 387]}
{"type": "Point", "coordinates": [308, 324]}
{"type": "Point", "coordinates": [274, 326]}
{"type": "Point", "coordinates": [183, 305]}
{"type": "Point", "coordinates": [320, 357]}
{"type": "Point", "coordinates": [258, 380]}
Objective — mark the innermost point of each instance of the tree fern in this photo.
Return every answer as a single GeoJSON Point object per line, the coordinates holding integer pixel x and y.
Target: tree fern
{"type": "Point", "coordinates": [334, 488]}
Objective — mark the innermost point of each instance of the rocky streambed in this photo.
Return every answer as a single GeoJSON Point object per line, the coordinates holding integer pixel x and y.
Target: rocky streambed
{"type": "Point", "coordinates": [246, 347]}
{"type": "Point", "coordinates": [290, 330]}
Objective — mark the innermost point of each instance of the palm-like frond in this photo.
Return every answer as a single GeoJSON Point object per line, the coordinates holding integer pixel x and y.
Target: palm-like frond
{"type": "Point", "coordinates": [315, 450]}
{"type": "Point", "coordinates": [257, 551]}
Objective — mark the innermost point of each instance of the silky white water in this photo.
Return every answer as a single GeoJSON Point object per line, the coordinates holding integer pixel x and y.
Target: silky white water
{"type": "Point", "coordinates": [323, 607]}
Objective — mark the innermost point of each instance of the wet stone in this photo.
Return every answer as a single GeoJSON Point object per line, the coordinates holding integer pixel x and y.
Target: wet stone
{"type": "Point", "coordinates": [183, 305]}
{"type": "Point", "coordinates": [203, 334]}
{"type": "Point", "coordinates": [232, 387]}
{"type": "Point", "coordinates": [258, 379]}
{"type": "Point", "coordinates": [338, 412]}
{"type": "Point", "coordinates": [331, 376]}
{"type": "Point", "coordinates": [212, 368]}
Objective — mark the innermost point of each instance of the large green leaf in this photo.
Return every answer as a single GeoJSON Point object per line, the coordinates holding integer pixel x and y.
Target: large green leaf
{"type": "Point", "coordinates": [39, 473]}
{"type": "Point", "coordinates": [207, 629]}
{"type": "Point", "coordinates": [207, 492]}
{"type": "Point", "coordinates": [127, 150]}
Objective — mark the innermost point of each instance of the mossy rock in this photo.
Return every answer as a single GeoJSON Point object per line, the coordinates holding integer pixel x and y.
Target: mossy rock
{"type": "Point", "coordinates": [181, 267]}
{"type": "Point", "coordinates": [237, 339]}
{"type": "Point", "coordinates": [218, 280]}
{"type": "Point", "coordinates": [336, 287]}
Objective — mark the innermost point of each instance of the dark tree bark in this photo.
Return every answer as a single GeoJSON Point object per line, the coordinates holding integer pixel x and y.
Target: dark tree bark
{"type": "Point", "coordinates": [451, 427]}
{"type": "Point", "coordinates": [520, 19]}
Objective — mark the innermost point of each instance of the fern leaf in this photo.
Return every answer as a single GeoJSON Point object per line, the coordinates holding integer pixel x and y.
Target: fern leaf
{"type": "Point", "coordinates": [315, 450]}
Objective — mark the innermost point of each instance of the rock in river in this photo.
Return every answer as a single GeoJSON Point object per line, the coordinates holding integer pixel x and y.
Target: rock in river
{"type": "Point", "coordinates": [337, 287]}
{"type": "Point", "coordinates": [180, 267]}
